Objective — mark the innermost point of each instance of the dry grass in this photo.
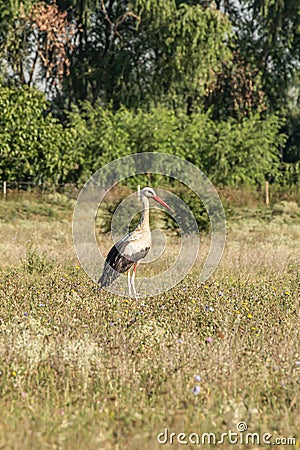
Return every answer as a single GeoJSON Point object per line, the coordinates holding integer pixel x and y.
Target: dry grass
{"type": "Point", "coordinates": [81, 370]}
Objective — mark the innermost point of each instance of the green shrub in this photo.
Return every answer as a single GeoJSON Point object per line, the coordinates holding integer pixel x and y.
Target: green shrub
{"type": "Point", "coordinates": [35, 263]}
{"type": "Point", "coordinates": [229, 153]}
{"type": "Point", "coordinates": [33, 145]}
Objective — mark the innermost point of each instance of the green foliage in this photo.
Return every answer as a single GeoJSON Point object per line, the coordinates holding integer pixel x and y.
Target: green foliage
{"type": "Point", "coordinates": [246, 152]}
{"type": "Point", "coordinates": [229, 152]}
{"type": "Point", "coordinates": [170, 77]}
{"type": "Point", "coordinates": [289, 175]}
{"type": "Point", "coordinates": [195, 205]}
{"type": "Point", "coordinates": [145, 52]}
{"type": "Point", "coordinates": [158, 220]}
{"type": "Point", "coordinates": [33, 145]}
{"type": "Point", "coordinates": [8, 12]}
{"type": "Point", "coordinates": [13, 45]}
{"type": "Point", "coordinates": [267, 42]}
{"type": "Point", "coordinates": [35, 263]}
{"type": "Point", "coordinates": [36, 42]}
{"type": "Point", "coordinates": [276, 51]}
{"type": "Point", "coordinates": [292, 129]}
{"type": "Point", "coordinates": [186, 46]}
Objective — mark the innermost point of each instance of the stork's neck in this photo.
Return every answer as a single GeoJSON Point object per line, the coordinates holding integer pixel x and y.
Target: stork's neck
{"type": "Point", "coordinates": [144, 222]}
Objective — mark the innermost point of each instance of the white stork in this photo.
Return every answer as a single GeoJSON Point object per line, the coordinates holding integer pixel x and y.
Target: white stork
{"type": "Point", "coordinates": [133, 247]}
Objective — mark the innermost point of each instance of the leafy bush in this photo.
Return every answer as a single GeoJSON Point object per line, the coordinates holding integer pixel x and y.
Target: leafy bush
{"type": "Point", "coordinates": [230, 153]}
{"type": "Point", "coordinates": [289, 174]}
{"type": "Point", "coordinates": [35, 262]}
{"type": "Point", "coordinates": [159, 219]}
{"type": "Point", "coordinates": [33, 145]}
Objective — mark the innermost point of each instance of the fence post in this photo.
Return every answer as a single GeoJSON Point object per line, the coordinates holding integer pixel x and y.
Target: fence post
{"type": "Point", "coordinates": [267, 193]}
{"type": "Point", "coordinates": [4, 189]}
{"type": "Point", "coordinates": [139, 192]}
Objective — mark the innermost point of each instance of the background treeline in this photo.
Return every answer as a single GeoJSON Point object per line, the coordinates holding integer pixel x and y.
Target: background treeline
{"type": "Point", "coordinates": [84, 82]}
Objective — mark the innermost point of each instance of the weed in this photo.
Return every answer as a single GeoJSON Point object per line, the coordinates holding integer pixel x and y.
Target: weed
{"type": "Point", "coordinates": [83, 370]}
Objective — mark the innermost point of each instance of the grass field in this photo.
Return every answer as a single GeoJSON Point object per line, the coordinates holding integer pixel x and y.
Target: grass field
{"type": "Point", "coordinates": [79, 370]}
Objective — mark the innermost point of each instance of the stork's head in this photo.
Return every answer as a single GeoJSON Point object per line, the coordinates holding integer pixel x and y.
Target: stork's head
{"type": "Point", "coordinates": [150, 193]}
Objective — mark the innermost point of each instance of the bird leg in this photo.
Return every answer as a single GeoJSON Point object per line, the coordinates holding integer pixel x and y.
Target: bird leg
{"type": "Point", "coordinates": [132, 280]}
{"type": "Point", "coordinates": [129, 283]}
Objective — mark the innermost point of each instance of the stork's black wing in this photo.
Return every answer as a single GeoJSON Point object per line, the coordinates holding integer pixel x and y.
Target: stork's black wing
{"type": "Point", "coordinates": [118, 262]}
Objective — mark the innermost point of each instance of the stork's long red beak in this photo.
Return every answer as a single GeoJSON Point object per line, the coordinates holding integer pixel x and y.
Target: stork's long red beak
{"type": "Point", "coordinates": [159, 200]}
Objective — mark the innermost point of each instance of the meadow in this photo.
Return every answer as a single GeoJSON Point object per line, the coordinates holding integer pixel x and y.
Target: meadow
{"type": "Point", "coordinates": [82, 370]}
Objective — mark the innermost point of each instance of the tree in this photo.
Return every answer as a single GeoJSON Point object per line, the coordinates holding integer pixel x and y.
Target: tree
{"type": "Point", "coordinates": [267, 38]}
{"type": "Point", "coordinates": [186, 47]}
{"type": "Point", "coordinates": [145, 52]}
{"type": "Point", "coordinates": [38, 43]}
{"type": "Point", "coordinates": [230, 152]}
{"type": "Point", "coordinates": [33, 145]}
{"type": "Point", "coordinates": [100, 62]}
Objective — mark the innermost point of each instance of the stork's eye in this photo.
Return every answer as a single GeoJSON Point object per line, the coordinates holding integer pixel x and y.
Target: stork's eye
{"type": "Point", "coordinates": [148, 192]}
